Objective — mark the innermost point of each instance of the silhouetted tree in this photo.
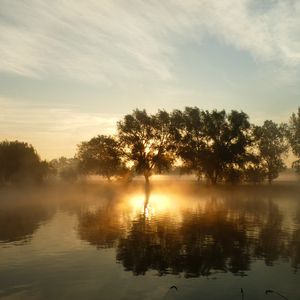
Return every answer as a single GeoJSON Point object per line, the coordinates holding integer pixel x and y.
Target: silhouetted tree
{"type": "Point", "coordinates": [254, 173]}
{"type": "Point", "coordinates": [188, 135]}
{"type": "Point", "coordinates": [101, 155]}
{"type": "Point", "coordinates": [270, 139]}
{"type": "Point", "coordinates": [294, 138]}
{"type": "Point", "coordinates": [212, 143]}
{"type": "Point", "coordinates": [254, 170]}
{"type": "Point", "coordinates": [66, 168]}
{"type": "Point", "coordinates": [145, 142]}
{"type": "Point", "coordinates": [19, 162]}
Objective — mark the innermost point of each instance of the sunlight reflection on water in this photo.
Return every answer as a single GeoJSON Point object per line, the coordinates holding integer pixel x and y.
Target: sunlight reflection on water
{"type": "Point", "coordinates": [65, 242]}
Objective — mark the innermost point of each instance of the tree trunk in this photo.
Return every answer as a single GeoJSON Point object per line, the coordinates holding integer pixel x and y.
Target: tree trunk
{"type": "Point", "coordinates": [146, 179]}
{"type": "Point", "coordinates": [147, 191]}
{"type": "Point", "coordinates": [214, 179]}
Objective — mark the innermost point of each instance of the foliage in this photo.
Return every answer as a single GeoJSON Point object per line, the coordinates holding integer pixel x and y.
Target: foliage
{"type": "Point", "coordinates": [294, 138]}
{"type": "Point", "coordinates": [296, 166]}
{"type": "Point", "coordinates": [65, 168]}
{"type": "Point", "coordinates": [188, 136]}
{"type": "Point", "coordinates": [102, 156]}
{"type": "Point", "coordinates": [19, 162]}
{"type": "Point", "coordinates": [254, 174]}
{"type": "Point", "coordinates": [145, 141]}
{"type": "Point", "coordinates": [270, 139]}
{"type": "Point", "coordinates": [215, 145]}
{"type": "Point", "coordinates": [212, 143]}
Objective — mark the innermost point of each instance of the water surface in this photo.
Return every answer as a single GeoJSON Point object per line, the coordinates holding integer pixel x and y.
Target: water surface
{"type": "Point", "coordinates": [97, 241]}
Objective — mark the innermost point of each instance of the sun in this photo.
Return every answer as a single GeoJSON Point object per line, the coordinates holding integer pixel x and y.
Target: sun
{"type": "Point", "coordinates": [158, 203]}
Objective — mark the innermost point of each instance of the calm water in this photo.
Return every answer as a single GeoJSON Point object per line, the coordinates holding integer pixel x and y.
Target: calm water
{"type": "Point", "coordinates": [102, 242]}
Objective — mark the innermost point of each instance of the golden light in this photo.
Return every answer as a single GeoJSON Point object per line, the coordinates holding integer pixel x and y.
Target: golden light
{"type": "Point", "coordinates": [158, 203]}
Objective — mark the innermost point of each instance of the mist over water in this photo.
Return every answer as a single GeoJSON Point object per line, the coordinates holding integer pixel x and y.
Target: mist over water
{"type": "Point", "coordinates": [114, 241]}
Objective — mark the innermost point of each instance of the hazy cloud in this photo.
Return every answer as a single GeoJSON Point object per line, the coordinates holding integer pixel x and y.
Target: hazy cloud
{"type": "Point", "coordinates": [109, 40]}
{"type": "Point", "coordinates": [54, 130]}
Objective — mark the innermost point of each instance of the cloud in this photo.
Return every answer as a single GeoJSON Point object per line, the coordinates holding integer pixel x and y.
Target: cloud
{"type": "Point", "coordinates": [270, 34]}
{"type": "Point", "coordinates": [112, 41]}
{"type": "Point", "coordinates": [53, 130]}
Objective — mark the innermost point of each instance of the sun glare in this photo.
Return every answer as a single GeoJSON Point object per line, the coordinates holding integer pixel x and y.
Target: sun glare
{"type": "Point", "coordinates": [158, 203]}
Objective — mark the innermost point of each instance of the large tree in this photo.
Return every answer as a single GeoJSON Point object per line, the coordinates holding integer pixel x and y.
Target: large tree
{"type": "Point", "coordinates": [294, 138]}
{"type": "Point", "coordinates": [271, 145]}
{"type": "Point", "coordinates": [212, 143]}
{"type": "Point", "coordinates": [101, 155]}
{"type": "Point", "coordinates": [188, 137]}
{"type": "Point", "coordinates": [19, 162]}
{"type": "Point", "coordinates": [145, 142]}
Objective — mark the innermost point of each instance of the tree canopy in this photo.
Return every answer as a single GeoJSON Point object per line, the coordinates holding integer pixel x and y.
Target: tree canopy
{"type": "Point", "coordinates": [212, 144]}
{"type": "Point", "coordinates": [102, 156]}
{"type": "Point", "coordinates": [65, 168]}
{"type": "Point", "coordinates": [19, 162]}
{"type": "Point", "coordinates": [272, 146]}
{"type": "Point", "coordinates": [215, 145]}
{"type": "Point", "coordinates": [145, 141]}
{"type": "Point", "coordinates": [294, 138]}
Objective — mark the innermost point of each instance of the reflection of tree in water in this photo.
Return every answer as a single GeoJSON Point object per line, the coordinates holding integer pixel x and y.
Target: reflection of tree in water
{"type": "Point", "coordinates": [151, 244]}
{"type": "Point", "coordinates": [295, 243]}
{"type": "Point", "coordinates": [205, 241]}
{"type": "Point", "coordinates": [19, 222]}
{"type": "Point", "coordinates": [214, 240]}
{"type": "Point", "coordinates": [223, 236]}
{"type": "Point", "coordinates": [101, 227]}
{"type": "Point", "coordinates": [272, 242]}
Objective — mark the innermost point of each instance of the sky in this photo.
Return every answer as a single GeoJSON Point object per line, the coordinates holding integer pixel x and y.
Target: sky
{"type": "Point", "coordinates": [69, 70]}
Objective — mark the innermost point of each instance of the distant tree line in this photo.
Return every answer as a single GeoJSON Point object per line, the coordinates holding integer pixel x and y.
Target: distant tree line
{"type": "Point", "coordinates": [20, 163]}
{"type": "Point", "coordinates": [214, 145]}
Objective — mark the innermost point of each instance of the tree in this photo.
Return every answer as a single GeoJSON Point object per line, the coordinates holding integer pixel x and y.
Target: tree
{"type": "Point", "coordinates": [19, 162]}
{"type": "Point", "coordinates": [101, 155]}
{"type": "Point", "coordinates": [255, 173]}
{"type": "Point", "coordinates": [188, 136]}
{"type": "Point", "coordinates": [66, 168]}
{"type": "Point", "coordinates": [294, 138]}
{"type": "Point", "coordinates": [212, 143]}
{"type": "Point", "coordinates": [145, 141]}
{"type": "Point", "coordinates": [270, 139]}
